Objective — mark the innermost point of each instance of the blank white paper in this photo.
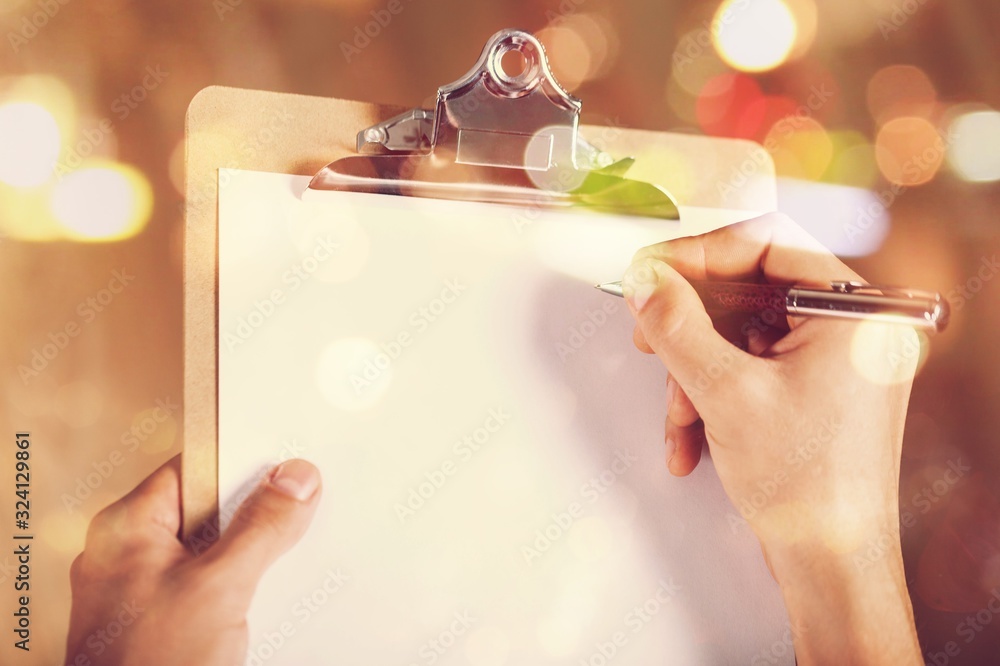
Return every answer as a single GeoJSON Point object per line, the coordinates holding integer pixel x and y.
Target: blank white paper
{"type": "Point", "coordinates": [491, 442]}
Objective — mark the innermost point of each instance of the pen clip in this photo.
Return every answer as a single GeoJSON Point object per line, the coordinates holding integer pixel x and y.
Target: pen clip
{"type": "Point", "coordinates": [856, 287]}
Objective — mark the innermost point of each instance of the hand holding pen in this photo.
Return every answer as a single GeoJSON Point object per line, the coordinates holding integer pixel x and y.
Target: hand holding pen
{"type": "Point", "coordinates": [804, 426]}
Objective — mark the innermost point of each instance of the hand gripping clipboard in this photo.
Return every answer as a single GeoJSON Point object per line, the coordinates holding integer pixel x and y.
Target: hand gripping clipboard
{"type": "Point", "coordinates": [494, 136]}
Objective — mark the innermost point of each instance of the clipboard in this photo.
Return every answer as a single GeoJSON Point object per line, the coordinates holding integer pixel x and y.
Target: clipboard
{"type": "Point", "coordinates": [251, 156]}
{"type": "Point", "coordinates": [228, 128]}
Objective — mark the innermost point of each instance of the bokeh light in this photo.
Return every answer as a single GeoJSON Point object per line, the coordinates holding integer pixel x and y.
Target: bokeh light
{"type": "Point", "coordinates": [755, 36]}
{"type": "Point", "coordinates": [909, 151]}
{"type": "Point", "coordinates": [805, 14]}
{"type": "Point", "coordinates": [848, 221]}
{"type": "Point", "coordinates": [887, 353]}
{"type": "Point", "coordinates": [27, 214]}
{"type": "Point", "coordinates": [847, 23]}
{"type": "Point", "coordinates": [569, 55]}
{"type": "Point", "coordinates": [103, 202]}
{"type": "Point", "coordinates": [800, 146]}
{"type": "Point", "coordinates": [29, 144]}
{"type": "Point", "coordinates": [695, 62]}
{"type": "Point", "coordinates": [353, 373]}
{"type": "Point", "coordinates": [48, 92]}
{"type": "Point", "coordinates": [579, 48]}
{"type": "Point", "coordinates": [853, 161]}
{"type": "Point", "coordinates": [312, 231]}
{"type": "Point", "coordinates": [722, 106]}
{"type": "Point", "coordinates": [765, 112]}
{"type": "Point", "coordinates": [900, 90]}
{"type": "Point", "coordinates": [974, 153]}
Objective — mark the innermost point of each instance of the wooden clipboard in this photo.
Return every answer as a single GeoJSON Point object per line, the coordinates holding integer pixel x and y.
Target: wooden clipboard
{"type": "Point", "coordinates": [296, 134]}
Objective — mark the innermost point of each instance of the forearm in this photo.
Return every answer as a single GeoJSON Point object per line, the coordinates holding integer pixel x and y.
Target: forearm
{"type": "Point", "coordinates": [844, 612]}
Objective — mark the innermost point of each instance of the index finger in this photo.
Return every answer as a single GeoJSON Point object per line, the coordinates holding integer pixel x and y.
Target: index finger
{"type": "Point", "coordinates": [151, 510]}
{"type": "Point", "coordinates": [770, 248]}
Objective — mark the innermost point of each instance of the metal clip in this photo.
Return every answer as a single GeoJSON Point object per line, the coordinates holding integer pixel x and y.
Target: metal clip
{"type": "Point", "coordinates": [496, 136]}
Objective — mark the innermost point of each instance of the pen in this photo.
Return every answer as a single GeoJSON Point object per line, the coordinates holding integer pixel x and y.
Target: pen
{"type": "Point", "coordinates": [843, 300]}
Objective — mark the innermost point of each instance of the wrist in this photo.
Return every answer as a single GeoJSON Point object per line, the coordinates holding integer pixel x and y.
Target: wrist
{"type": "Point", "coordinates": [846, 607]}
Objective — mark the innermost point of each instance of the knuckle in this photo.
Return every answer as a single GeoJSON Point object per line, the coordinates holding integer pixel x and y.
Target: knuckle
{"type": "Point", "coordinates": [764, 229]}
{"type": "Point", "coordinates": [654, 251]}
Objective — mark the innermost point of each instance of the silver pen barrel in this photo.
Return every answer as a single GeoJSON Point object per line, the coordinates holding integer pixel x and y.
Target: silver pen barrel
{"type": "Point", "coordinates": [922, 310]}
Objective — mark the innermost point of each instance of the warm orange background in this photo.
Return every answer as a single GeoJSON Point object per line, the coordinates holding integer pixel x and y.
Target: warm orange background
{"type": "Point", "coordinates": [619, 57]}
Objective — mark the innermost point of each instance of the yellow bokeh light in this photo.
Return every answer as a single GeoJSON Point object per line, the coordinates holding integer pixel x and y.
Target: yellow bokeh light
{"type": "Point", "coordinates": [975, 150]}
{"type": "Point", "coordinates": [755, 36]}
{"type": "Point", "coordinates": [104, 201]}
{"type": "Point", "coordinates": [853, 162]}
{"type": "Point", "coordinates": [29, 144]}
{"type": "Point", "coordinates": [27, 215]}
{"type": "Point", "coordinates": [909, 151]}
{"type": "Point", "coordinates": [886, 353]}
{"type": "Point", "coordinates": [800, 147]}
{"type": "Point", "coordinates": [655, 160]}
{"type": "Point", "coordinates": [48, 92]}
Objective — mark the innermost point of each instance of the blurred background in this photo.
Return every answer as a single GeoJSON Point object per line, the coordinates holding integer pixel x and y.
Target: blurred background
{"type": "Point", "coordinates": [881, 116]}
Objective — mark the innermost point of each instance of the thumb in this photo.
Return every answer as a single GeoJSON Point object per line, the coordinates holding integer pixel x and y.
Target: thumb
{"type": "Point", "coordinates": [268, 523]}
{"type": "Point", "coordinates": [674, 322]}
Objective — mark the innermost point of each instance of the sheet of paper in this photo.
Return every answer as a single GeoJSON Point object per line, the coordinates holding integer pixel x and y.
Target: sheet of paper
{"type": "Point", "coordinates": [491, 442]}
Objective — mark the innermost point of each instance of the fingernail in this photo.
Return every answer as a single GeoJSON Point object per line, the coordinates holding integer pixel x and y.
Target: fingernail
{"type": "Point", "coordinates": [640, 281]}
{"type": "Point", "coordinates": [671, 448]}
{"type": "Point", "coordinates": [671, 392]}
{"type": "Point", "coordinates": [296, 479]}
